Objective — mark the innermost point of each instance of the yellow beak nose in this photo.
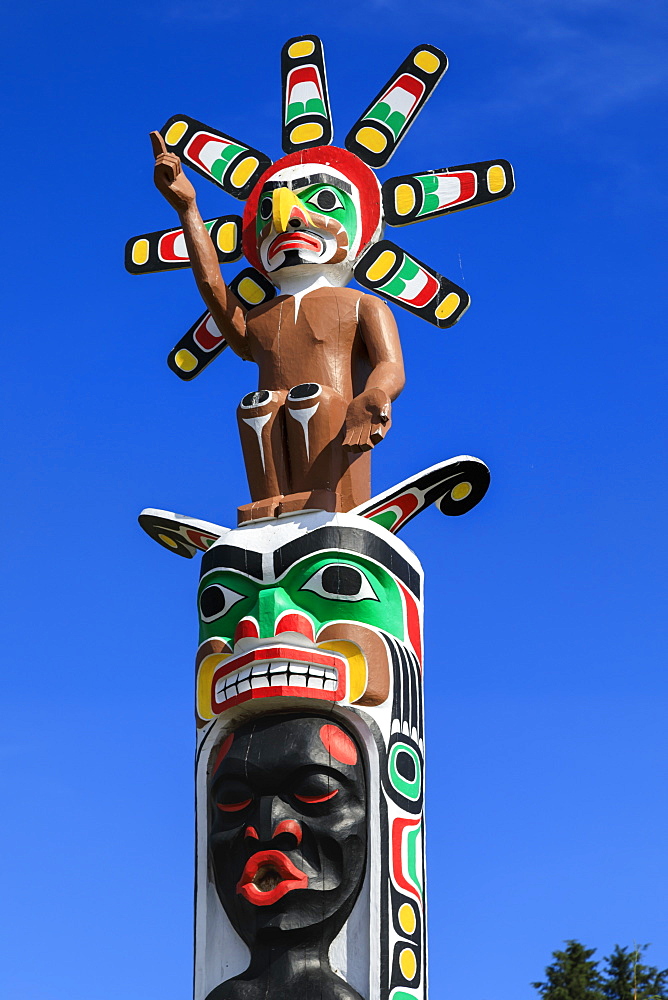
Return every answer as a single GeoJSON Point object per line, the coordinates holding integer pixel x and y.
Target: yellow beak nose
{"type": "Point", "coordinates": [286, 206]}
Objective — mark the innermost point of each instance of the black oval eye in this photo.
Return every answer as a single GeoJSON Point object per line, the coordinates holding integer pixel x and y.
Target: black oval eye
{"type": "Point", "coordinates": [266, 205]}
{"type": "Point", "coordinates": [344, 580]}
{"type": "Point", "coordinates": [340, 582]}
{"type": "Point", "coordinates": [326, 200]}
{"type": "Point", "coordinates": [217, 600]}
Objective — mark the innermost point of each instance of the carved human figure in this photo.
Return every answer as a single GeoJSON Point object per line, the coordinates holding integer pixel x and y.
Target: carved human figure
{"type": "Point", "coordinates": [288, 851]}
{"type": "Point", "coordinates": [329, 357]}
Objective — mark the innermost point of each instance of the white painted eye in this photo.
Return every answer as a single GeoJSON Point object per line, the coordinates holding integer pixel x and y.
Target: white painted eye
{"type": "Point", "coordinates": [326, 199]}
{"type": "Point", "coordinates": [216, 600]}
{"type": "Point", "coordinates": [340, 582]}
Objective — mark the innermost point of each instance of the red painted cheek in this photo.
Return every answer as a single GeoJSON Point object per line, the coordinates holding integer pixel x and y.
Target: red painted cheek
{"type": "Point", "coordinates": [251, 832]}
{"type": "Point", "coordinates": [246, 629]}
{"type": "Point", "coordinates": [289, 826]}
{"type": "Point", "coordinates": [293, 622]}
{"type": "Point", "coordinates": [338, 744]}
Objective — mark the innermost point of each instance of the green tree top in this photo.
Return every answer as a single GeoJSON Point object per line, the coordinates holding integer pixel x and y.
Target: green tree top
{"type": "Point", "coordinates": [572, 976]}
{"type": "Point", "coordinates": [627, 978]}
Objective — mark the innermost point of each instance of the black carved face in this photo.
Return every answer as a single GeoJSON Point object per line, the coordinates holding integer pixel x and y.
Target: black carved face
{"type": "Point", "coordinates": [288, 826]}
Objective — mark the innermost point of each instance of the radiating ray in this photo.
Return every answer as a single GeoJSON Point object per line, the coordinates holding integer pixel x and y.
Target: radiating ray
{"type": "Point", "coordinates": [231, 164]}
{"type": "Point", "coordinates": [377, 133]}
{"type": "Point", "coordinates": [389, 271]}
{"type": "Point", "coordinates": [414, 197]}
{"type": "Point", "coordinates": [307, 117]}
{"type": "Point", "coordinates": [167, 251]}
{"type": "Point", "coordinates": [203, 341]}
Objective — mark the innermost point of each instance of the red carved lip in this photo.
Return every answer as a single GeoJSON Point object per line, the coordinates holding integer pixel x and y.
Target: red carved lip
{"type": "Point", "coordinates": [273, 671]}
{"type": "Point", "coordinates": [294, 241]}
{"type": "Point", "coordinates": [290, 877]}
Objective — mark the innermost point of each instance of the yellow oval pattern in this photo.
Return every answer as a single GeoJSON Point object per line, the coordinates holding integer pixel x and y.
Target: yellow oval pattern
{"type": "Point", "coordinates": [175, 132]}
{"type": "Point", "coordinates": [380, 267]}
{"type": "Point", "coordinates": [166, 540]}
{"type": "Point", "coordinates": [306, 132]}
{"type": "Point", "coordinates": [250, 291]}
{"type": "Point", "coordinates": [408, 963]}
{"type": "Point", "coordinates": [227, 237]}
{"type": "Point", "coordinates": [140, 252]}
{"type": "Point", "coordinates": [184, 360]}
{"type": "Point", "coordinates": [241, 173]}
{"type": "Point", "coordinates": [407, 920]}
{"type": "Point", "coordinates": [302, 48]}
{"type": "Point", "coordinates": [496, 178]}
{"type": "Point", "coordinates": [461, 491]}
{"type": "Point", "coordinates": [371, 139]}
{"type": "Point", "coordinates": [447, 306]}
{"type": "Point", "coordinates": [427, 61]}
{"type": "Point", "coordinates": [404, 199]}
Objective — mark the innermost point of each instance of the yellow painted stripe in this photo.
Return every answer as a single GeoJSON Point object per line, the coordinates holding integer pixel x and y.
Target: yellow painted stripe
{"type": "Point", "coordinates": [140, 252]}
{"type": "Point", "coordinates": [447, 306]}
{"type": "Point", "coordinates": [380, 267]}
{"type": "Point", "coordinates": [204, 678]}
{"type": "Point", "coordinates": [461, 491]}
{"type": "Point", "coordinates": [404, 199]}
{"type": "Point", "coordinates": [241, 173]}
{"type": "Point", "coordinates": [371, 139]}
{"type": "Point", "coordinates": [306, 132]}
{"type": "Point", "coordinates": [496, 178]}
{"type": "Point", "coordinates": [250, 291]}
{"type": "Point", "coordinates": [184, 360]}
{"type": "Point", "coordinates": [227, 237]}
{"type": "Point", "coordinates": [357, 668]}
{"type": "Point", "coordinates": [427, 61]}
{"type": "Point", "coordinates": [175, 132]}
{"type": "Point", "coordinates": [408, 963]}
{"type": "Point", "coordinates": [407, 920]}
{"type": "Point", "coordinates": [166, 540]}
{"type": "Point", "coordinates": [299, 49]}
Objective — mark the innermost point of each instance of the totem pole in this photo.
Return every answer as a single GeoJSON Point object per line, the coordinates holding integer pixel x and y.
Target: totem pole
{"type": "Point", "coordinates": [310, 754]}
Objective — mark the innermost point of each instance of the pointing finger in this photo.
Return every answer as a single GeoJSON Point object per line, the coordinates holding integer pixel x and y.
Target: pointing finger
{"type": "Point", "coordinates": [158, 143]}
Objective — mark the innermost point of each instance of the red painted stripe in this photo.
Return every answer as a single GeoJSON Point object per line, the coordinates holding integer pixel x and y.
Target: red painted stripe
{"type": "Point", "coordinates": [413, 622]}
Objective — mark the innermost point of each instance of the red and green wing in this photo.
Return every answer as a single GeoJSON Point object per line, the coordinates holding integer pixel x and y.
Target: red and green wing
{"type": "Point", "coordinates": [307, 117]}
{"type": "Point", "coordinates": [414, 197]}
{"type": "Point", "coordinates": [377, 133]}
{"type": "Point", "coordinates": [184, 536]}
{"type": "Point", "coordinates": [399, 277]}
{"type": "Point", "coordinates": [454, 486]}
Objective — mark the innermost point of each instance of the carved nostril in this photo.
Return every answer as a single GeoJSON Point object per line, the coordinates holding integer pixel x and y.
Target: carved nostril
{"type": "Point", "coordinates": [295, 223]}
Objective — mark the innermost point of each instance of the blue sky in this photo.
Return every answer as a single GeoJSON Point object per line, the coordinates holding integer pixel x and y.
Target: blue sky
{"type": "Point", "coordinates": [546, 678]}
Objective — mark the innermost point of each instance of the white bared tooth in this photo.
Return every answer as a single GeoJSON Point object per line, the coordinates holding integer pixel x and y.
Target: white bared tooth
{"type": "Point", "coordinates": [259, 681]}
{"type": "Point", "coordinates": [279, 680]}
{"type": "Point", "coordinates": [316, 682]}
{"type": "Point", "coordinates": [330, 685]}
{"type": "Point", "coordinates": [244, 686]}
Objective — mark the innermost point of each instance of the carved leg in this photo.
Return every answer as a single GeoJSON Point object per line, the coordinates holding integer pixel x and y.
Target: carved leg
{"type": "Point", "coordinates": [314, 424]}
{"type": "Point", "coordinates": [262, 432]}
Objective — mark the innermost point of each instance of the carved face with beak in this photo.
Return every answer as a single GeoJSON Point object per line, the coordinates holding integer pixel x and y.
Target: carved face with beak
{"type": "Point", "coordinates": [312, 217]}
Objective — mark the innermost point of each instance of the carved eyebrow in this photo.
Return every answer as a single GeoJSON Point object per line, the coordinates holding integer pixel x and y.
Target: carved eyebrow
{"type": "Point", "coordinates": [302, 182]}
{"type": "Point", "coordinates": [347, 540]}
{"type": "Point", "coordinates": [323, 539]}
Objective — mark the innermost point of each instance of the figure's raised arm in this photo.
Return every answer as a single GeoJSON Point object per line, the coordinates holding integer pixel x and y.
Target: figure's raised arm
{"type": "Point", "coordinates": [227, 311]}
{"type": "Point", "coordinates": [369, 414]}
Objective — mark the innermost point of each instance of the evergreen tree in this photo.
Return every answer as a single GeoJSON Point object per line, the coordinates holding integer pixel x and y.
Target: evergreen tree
{"type": "Point", "coordinates": [627, 978]}
{"type": "Point", "coordinates": [572, 976]}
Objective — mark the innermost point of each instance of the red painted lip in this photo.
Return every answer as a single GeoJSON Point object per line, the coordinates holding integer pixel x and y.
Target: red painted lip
{"type": "Point", "coordinates": [333, 663]}
{"type": "Point", "coordinates": [294, 241]}
{"type": "Point", "coordinates": [291, 878]}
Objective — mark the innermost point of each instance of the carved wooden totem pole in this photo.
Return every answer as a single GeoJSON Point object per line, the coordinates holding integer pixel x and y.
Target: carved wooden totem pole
{"type": "Point", "coordinates": [310, 759]}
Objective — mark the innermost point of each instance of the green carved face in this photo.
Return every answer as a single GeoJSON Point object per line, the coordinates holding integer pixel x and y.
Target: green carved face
{"type": "Point", "coordinates": [327, 587]}
{"type": "Point", "coordinates": [328, 200]}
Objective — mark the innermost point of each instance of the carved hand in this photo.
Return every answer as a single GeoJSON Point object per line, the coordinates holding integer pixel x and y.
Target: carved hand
{"type": "Point", "coordinates": [367, 420]}
{"type": "Point", "coordinates": [169, 177]}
